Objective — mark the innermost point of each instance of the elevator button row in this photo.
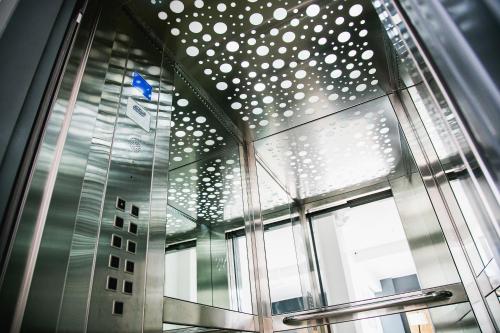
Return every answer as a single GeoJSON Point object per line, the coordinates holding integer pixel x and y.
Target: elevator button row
{"type": "Point", "coordinates": [117, 241]}
{"type": "Point", "coordinates": [112, 285]}
{"type": "Point", "coordinates": [119, 223]}
{"type": "Point", "coordinates": [121, 205]}
{"type": "Point", "coordinates": [114, 262]}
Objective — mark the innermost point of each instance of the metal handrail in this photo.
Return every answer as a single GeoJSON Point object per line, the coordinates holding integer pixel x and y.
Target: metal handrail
{"type": "Point", "coordinates": [433, 296]}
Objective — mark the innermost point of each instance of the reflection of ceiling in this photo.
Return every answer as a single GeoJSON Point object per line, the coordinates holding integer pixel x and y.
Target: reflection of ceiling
{"type": "Point", "coordinates": [177, 223]}
{"type": "Point", "coordinates": [272, 65]}
{"type": "Point", "coordinates": [195, 131]}
{"type": "Point", "coordinates": [208, 190]}
{"type": "Point", "coordinates": [346, 149]}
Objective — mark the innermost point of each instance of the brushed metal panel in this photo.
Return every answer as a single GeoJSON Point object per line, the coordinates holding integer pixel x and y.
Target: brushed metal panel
{"type": "Point", "coordinates": [429, 249]}
{"type": "Point", "coordinates": [176, 311]}
{"type": "Point", "coordinates": [155, 260]}
{"type": "Point", "coordinates": [130, 178]}
{"type": "Point", "coordinates": [73, 310]}
{"type": "Point", "coordinates": [39, 251]}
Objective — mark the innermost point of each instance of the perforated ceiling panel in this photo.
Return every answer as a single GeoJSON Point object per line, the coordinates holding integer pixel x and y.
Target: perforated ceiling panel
{"type": "Point", "coordinates": [271, 65]}
{"type": "Point", "coordinates": [348, 149]}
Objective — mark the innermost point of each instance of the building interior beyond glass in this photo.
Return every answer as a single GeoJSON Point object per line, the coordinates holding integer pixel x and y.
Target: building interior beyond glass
{"type": "Point", "coordinates": [255, 166]}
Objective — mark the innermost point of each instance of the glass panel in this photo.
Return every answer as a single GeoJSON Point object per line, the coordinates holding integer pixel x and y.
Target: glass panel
{"type": "Point", "coordinates": [363, 253]}
{"type": "Point", "coordinates": [205, 205]}
{"type": "Point", "coordinates": [282, 270]}
{"type": "Point", "coordinates": [344, 161]}
{"type": "Point", "coordinates": [242, 299]}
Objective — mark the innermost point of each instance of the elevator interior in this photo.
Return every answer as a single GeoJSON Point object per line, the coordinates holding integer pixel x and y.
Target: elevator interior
{"type": "Point", "coordinates": [235, 165]}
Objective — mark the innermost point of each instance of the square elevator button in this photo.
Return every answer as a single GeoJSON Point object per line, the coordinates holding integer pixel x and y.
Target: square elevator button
{"type": "Point", "coordinates": [120, 203]}
{"type": "Point", "coordinates": [129, 266]}
{"type": "Point", "coordinates": [118, 222]}
{"type": "Point", "coordinates": [132, 228]}
{"type": "Point", "coordinates": [116, 241]}
{"type": "Point", "coordinates": [134, 211]}
{"type": "Point", "coordinates": [114, 261]}
{"type": "Point", "coordinates": [127, 287]}
{"type": "Point", "coordinates": [131, 246]}
{"type": "Point", "coordinates": [112, 283]}
{"type": "Point", "coordinates": [117, 307]}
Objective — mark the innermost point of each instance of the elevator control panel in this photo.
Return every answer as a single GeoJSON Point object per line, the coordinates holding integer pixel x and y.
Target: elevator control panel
{"type": "Point", "coordinates": [123, 244]}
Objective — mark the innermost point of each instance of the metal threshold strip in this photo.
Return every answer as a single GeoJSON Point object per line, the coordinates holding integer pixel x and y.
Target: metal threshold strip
{"type": "Point", "coordinates": [412, 301]}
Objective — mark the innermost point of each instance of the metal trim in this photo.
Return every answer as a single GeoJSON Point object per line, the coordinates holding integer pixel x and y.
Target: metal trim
{"type": "Point", "coordinates": [176, 311]}
{"type": "Point", "coordinates": [254, 231]}
{"type": "Point", "coordinates": [432, 296]}
{"type": "Point", "coordinates": [47, 193]}
{"type": "Point", "coordinates": [418, 300]}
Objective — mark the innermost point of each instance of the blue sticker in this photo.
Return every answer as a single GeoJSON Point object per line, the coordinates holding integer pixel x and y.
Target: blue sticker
{"type": "Point", "coordinates": [142, 85]}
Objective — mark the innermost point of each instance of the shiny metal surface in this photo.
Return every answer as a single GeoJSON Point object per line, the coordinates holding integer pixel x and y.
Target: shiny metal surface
{"type": "Point", "coordinates": [254, 231]}
{"type": "Point", "coordinates": [448, 318]}
{"type": "Point", "coordinates": [304, 84]}
{"type": "Point", "coordinates": [434, 180]}
{"type": "Point", "coordinates": [441, 118]}
{"type": "Point", "coordinates": [208, 190]}
{"type": "Point", "coordinates": [270, 67]}
{"type": "Point", "coordinates": [429, 249]}
{"type": "Point", "coordinates": [176, 311]}
{"type": "Point", "coordinates": [306, 263]}
{"type": "Point", "coordinates": [155, 258]}
{"type": "Point", "coordinates": [429, 297]}
{"type": "Point", "coordinates": [130, 177]}
{"type": "Point", "coordinates": [35, 257]}
{"type": "Point", "coordinates": [450, 140]}
{"type": "Point", "coordinates": [471, 73]}
{"type": "Point", "coordinates": [107, 46]}
{"type": "Point", "coordinates": [348, 312]}
{"type": "Point", "coordinates": [317, 159]}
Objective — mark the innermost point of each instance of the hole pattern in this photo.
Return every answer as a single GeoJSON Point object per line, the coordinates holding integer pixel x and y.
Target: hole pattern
{"type": "Point", "coordinates": [275, 64]}
{"type": "Point", "coordinates": [367, 149]}
{"type": "Point", "coordinates": [207, 191]}
{"type": "Point", "coordinates": [194, 131]}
